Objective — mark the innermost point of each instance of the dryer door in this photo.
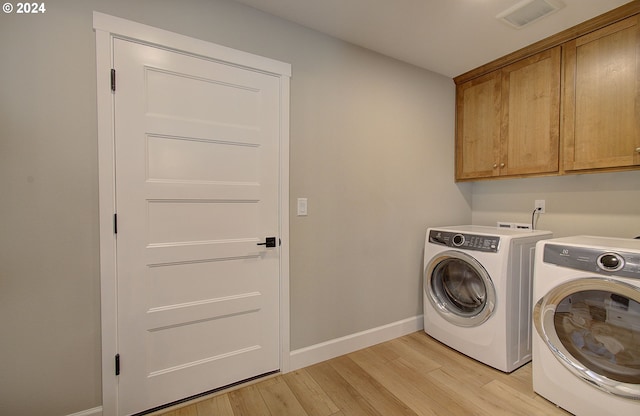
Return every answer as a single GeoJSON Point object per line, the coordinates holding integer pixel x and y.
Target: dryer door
{"type": "Point", "coordinates": [459, 288]}
{"type": "Point", "coordinates": [592, 326]}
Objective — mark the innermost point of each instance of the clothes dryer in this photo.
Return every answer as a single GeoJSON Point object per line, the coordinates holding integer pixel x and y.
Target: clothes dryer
{"type": "Point", "coordinates": [586, 342]}
{"type": "Point", "coordinates": [477, 291]}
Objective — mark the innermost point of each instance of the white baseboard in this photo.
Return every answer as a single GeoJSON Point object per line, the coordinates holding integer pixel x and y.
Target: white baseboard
{"type": "Point", "coordinates": [314, 354]}
{"type": "Point", "coordinates": [96, 411]}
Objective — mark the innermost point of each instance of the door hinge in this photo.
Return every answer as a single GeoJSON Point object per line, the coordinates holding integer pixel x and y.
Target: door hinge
{"type": "Point", "coordinates": [113, 80]}
{"type": "Point", "coordinates": [117, 364]}
{"type": "Point", "coordinates": [115, 223]}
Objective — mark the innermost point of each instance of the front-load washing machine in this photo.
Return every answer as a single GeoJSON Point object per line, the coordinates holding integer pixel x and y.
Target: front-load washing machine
{"type": "Point", "coordinates": [586, 342]}
{"type": "Point", "coordinates": [477, 291]}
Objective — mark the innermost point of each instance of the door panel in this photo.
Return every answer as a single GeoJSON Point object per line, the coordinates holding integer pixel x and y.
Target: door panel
{"type": "Point", "coordinates": [478, 127]}
{"type": "Point", "coordinates": [202, 99]}
{"type": "Point", "coordinates": [197, 220]}
{"type": "Point", "coordinates": [196, 160]}
{"type": "Point", "coordinates": [196, 190]}
{"type": "Point", "coordinates": [602, 98]}
{"type": "Point", "coordinates": [531, 115]}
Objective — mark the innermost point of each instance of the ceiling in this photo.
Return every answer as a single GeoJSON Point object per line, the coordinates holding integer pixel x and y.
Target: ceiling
{"type": "Point", "coordinates": [449, 37]}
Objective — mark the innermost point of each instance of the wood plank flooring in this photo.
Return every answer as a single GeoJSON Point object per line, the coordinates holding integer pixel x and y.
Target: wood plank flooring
{"type": "Point", "coordinates": [408, 376]}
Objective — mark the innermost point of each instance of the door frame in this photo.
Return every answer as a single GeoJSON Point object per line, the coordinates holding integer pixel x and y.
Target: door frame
{"type": "Point", "coordinates": [107, 28]}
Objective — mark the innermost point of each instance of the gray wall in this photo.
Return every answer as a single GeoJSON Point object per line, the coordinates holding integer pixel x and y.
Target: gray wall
{"type": "Point", "coordinates": [604, 204]}
{"type": "Point", "coordinates": [371, 148]}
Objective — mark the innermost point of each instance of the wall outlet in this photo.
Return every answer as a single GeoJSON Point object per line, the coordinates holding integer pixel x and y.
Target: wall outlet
{"type": "Point", "coordinates": [539, 206]}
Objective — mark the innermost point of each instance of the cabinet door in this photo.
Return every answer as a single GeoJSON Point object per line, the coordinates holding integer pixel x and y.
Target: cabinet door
{"type": "Point", "coordinates": [602, 98]}
{"type": "Point", "coordinates": [478, 104]}
{"type": "Point", "coordinates": [531, 115]}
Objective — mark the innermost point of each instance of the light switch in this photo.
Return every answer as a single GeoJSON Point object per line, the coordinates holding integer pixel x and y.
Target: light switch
{"type": "Point", "coordinates": [302, 206]}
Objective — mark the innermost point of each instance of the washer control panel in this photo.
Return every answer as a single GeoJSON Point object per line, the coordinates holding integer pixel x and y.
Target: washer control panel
{"type": "Point", "coordinates": [465, 241]}
{"type": "Point", "coordinates": [595, 260]}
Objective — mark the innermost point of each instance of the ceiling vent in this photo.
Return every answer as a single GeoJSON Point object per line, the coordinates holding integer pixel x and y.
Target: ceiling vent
{"type": "Point", "coordinates": [528, 11]}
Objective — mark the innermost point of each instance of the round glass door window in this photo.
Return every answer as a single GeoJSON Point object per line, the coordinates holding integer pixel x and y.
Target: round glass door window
{"type": "Point", "coordinates": [593, 327]}
{"type": "Point", "coordinates": [459, 288]}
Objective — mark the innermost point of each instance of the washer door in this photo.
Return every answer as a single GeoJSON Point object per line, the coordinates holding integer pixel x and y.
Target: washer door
{"type": "Point", "coordinates": [592, 326]}
{"type": "Point", "coordinates": [459, 288]}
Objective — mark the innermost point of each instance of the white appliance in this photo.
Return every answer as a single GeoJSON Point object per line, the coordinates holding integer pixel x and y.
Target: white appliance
{"type": "Point", "coordinates": [477, 291]}
{"type": "Point", "coordinates": [586, 342]}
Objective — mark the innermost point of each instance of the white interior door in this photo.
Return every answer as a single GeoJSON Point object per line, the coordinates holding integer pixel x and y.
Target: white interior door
{"type": "Point", "coordinates": [196, 152]}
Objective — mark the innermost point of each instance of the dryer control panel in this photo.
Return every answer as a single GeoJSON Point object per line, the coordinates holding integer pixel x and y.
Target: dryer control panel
{"type": "Point", "coordinates": [618, 263]}
{"type": "Point", "coordinates": [465, 241]}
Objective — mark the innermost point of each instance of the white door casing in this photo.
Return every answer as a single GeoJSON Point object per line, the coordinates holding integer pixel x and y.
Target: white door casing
{"type": "Point", "coordinates": [197, 188]}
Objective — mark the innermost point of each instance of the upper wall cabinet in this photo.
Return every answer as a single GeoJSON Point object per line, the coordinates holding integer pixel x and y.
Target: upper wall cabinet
{"type": "Point", "coordinates": [478, 117]}
{"type": "Point", "coordinates": [601, 98]}
{"type": "Point", "coordinates": [567, 104]}
{"type": "Point", "coordinates": [507, 121]}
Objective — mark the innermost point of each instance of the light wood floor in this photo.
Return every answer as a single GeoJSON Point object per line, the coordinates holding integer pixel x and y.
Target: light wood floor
{"type": "Point", "coordinates": [411, 375]}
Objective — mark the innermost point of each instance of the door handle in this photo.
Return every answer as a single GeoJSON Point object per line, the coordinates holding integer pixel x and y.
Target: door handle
{"type": "Point", "coordinates": [269, 242]}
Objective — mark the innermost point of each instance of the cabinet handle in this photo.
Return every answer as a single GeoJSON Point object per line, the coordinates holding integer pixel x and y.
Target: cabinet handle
{"type": "Point", "coordinates": [501, 165]}
{"type": "Point", "coordinates": [637, 149]}
{"type": "Point", "coordinates": [495, 165]}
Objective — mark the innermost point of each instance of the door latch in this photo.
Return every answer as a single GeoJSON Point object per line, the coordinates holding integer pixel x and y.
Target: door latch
{"type": "Point", "coordinates": [269, 242]}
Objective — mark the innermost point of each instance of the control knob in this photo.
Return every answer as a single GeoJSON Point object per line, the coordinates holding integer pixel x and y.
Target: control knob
{"type": "Point", "coordinates": [610, 262]}
{"type": "Point", "coordinates": [458, 240]}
